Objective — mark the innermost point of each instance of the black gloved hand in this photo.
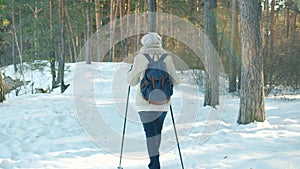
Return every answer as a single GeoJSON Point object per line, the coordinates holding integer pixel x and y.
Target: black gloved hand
{"type": "Point", "coordinates": [130, 68]}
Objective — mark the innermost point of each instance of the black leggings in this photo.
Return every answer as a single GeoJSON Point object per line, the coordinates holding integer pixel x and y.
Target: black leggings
{"type": "Point", "coordinates": [153, 123]}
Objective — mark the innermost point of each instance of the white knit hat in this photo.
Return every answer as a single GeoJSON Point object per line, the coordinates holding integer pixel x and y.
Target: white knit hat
{"type": "Point", "coordinates": [151, 38]}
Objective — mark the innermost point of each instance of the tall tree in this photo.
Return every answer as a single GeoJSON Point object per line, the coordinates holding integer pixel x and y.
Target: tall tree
{"type": "Point", "coordinates": [112, 28]}
{"type": "Point", "coordinates": [62, 60]}
{"type": "Point", "coordinates": [272, 27]}
{"type": "Point", "coordinates": [16, 38]}
{"type": "Point", "coordinates": [152, 7]}
{"type": "Point", "coordinates": [212, 76]}
{"type": "Point", "coordinates": [98, 26]}
{"type": "Point", "coordinates": [2, 92]}
{"type": "Point", "coordinates": [52, 51]}
{"type": "Point", "coordinates": [126, 43]}
{"type": "Point", "coordinates": [89, 33]}
{"type": "Point", "coordinates": [137, 26]}
{"type": "Point", "coordinates": [266, 21]}
{"type": "Point", "coordinates": [35, 12]}
{"type": "Point", "coordinates": [72, 38]}
{"type": "Point", "coordinates": [252, 107]}
{"type": "Point", "coordinates": [233, 44]}
{"type": "Point", "coordinates": [122, 24]}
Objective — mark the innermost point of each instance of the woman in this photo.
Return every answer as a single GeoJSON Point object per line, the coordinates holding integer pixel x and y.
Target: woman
{"type": "Point", "coordinates": [152, 116]}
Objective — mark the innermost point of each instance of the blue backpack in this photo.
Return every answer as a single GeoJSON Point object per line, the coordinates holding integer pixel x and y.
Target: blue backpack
{"type": "Point", "coordinates": [156, 85]}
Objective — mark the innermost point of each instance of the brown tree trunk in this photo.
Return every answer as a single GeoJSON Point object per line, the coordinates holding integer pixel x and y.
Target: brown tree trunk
{"type": "Point", "coordinates": [72, 38]}
{"type": "Point", "coordinates": [52, 50]}
{"type": "Point", "coordinates": [112, 27]}
{"type": "Point", "coordinates": [234, 41]}
{"type": "Point", "coordinates": [61, 65]}
{"type": "Point", "coordinates": [252, 107]}
{"type": "Point", "coordinates": [127, 28]}
{"type": "Point", "coordinates": [272, 27]}
{"type": "Point", "coordinates": [211, 97]}
{"type": "Point", "coordinates": [152, 7]}
{"type": "Point", "coordinates": [266, 39]}
{"type": "Point", "coordinates": [98, 27]}
{"type": "Point", "coordinates": [62, 43]}
{"type": "Point", "coordinates": [89, 32]}
{"type": "Point", "coordinates": [122, 24]}
{"type": "Point", "coordinates": [137, 26]}
{"type": "Point", "coordinates": [294, 38]}
{"type": "Point", "coordinates": [17, 42]}
{"type": "Point", "coordinates": [2, 92]}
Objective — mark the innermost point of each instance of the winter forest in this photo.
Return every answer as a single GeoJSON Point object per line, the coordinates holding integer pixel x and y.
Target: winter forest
{"type": "Point", "coordinates": [253, 60]}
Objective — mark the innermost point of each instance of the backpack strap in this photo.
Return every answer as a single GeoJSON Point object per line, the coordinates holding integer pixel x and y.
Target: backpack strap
{"type": "Point", "coordinates": [148, 57]}
{"type": "Point", "coordinates": [162, 58]}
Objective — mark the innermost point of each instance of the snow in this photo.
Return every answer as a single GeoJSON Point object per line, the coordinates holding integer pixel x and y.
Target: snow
{"type": "Point", "coordinates": [82, 127]}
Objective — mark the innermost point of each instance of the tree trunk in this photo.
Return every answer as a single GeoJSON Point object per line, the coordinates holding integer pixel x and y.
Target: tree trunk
{"type": "Point", "coordinates": [2, 92]}
{"type": "Point", "coordinates": [127, 28]}
{"type": "Point", "coordinates": [18, 48]}
{"type": "Point", "coordinates": [121, 7]}
{"type": "Point", "coordinates": [35, 38]}
{"type": "Point", "coordinates": [17, 42]}
{"type": "Point", "coordinates": [63, 87]}
{"type": "Point", "coordinates": [62, 43]}
{"type": "Point", "coordinates": [13, 55]}
{"type": "Point", "coordinates": [234, 41]}
{"type": "Point", "coordinates": [137, 26]}
{"type": "Point", "coordinates": [252, 107]}
{"type": "Point", "coordinates": [98, 27]}
{"type": "Point", "coordinates": [266, 28]}
{"type": "Point", "coordinates": [294, 41]}
{"type": "Point", "coordinates": [112, 27]}
{"type": "Point", "coordinates": [72, 37]}
{"type": "Point", "coordinates": [212, 76]}
{"type": "Point", "coordinates": [70, 47]}
{"type": "Point", "coordinates": [152, 15]}
{"type": "Point", "coordinates": [89, 32]}
{"type": "Point", "coordinates": [20, 34]}
{"type": "Point", "coordinates": [269, 55]}
{"type": "Point", "coordinates": [272, 28]}
{"type": "Point", "coordinates": [52, 50]}
{"type": "Point", "coordinates": [290, 5]}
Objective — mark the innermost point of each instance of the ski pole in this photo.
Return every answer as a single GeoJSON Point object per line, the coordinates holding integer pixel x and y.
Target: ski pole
{"type": "Point", "coordinates": [124, 128]}
{"type": "Point", "coordinates": [178, 146]}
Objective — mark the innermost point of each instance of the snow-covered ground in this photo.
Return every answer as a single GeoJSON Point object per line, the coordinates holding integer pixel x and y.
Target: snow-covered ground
{"type": "Point", "coordinates": [82, 127]}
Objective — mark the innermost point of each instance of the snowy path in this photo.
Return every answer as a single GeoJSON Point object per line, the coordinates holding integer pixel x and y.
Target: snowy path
{"type": "Point", "coordinates": [46, 131]}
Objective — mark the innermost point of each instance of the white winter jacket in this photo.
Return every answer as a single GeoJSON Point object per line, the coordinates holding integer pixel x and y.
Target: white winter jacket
{"type": "Point", "coordinates": [137, 73]}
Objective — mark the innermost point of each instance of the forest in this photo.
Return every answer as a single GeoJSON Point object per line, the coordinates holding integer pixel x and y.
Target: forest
{"type": "Point", "coordinates": [58, 30]}
{"type": "Point", "coordinates": [63, 83]}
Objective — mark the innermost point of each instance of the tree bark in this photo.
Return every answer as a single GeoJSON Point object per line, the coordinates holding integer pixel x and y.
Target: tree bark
{"type": "Point", "coordinates": [2, 92]}
{"type": "Point", "coordinates": [52, 51]}
{"type": "Point", "coordinates": [287, 20]}
{"type": "Point", "coordinates": [152, 7]}
{"type": "Point", "coordinates": [127, 28]}
{"type": "Point", "coordinates": [72, 38]}
{"type": "Point", "coordinates": [98, 27]}
{"type": "Point", "coordinates": [121, 7]}
{"type": "Point", "coordinates": [111, 39]}
{"type": "Point", "coordinates": [89, 32]}
{"type": "Point", "coordinates": [272, 28]}
{"type": "Point", "coordinates": [266, 28]}
{"type": "Point", "coordinates": [62, 42]}
{"type": "Point", "coordinates": [211, 97]}
{"type": "Point", "coordinates": [234, 40]}
{"type": "Point", "coordinates": [137, 26]}
{"type": "Point", "coordinates": [252, 107]}
{"type": "Point", "coordinates": [61, 65]}
{"type": "Point", "coordinates": [17, 42]}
